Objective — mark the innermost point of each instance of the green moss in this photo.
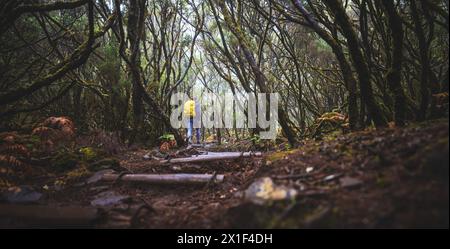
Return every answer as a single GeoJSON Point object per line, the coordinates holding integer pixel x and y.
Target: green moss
{"type": "Point", "coordinates": [77, 174]}
{"type": "Point", "coordinates": [280, 155]}
{"type": "Point", "coordinates": [88, 153]}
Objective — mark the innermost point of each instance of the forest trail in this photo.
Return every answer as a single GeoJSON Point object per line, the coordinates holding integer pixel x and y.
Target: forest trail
{"type": "Point", "coordinates": [181, 206]}
{"type": "Point", "coordinates": [347, 102]}
{"type": "Point", "coordinates": [395, 178]}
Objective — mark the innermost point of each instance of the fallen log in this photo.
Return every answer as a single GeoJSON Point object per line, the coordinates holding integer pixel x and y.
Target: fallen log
{"type": "Point", "coordinates": [212, 157]}
{"type": "Point", "coordinates": [166, 178]}
{"type": "Point", "coordinates": [43, 216]}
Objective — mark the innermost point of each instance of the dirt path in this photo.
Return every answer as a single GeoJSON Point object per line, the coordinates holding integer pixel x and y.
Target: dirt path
{"type": "Point", "coordinates": [396, 178]}
{"type": "Point", "coordinates": [390, 178]}
{"type": "Point", "coordinates": [190, 206]}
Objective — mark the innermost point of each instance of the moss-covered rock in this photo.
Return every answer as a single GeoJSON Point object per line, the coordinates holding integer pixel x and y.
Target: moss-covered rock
{"type": "Point", "coordinates": [77, 174]}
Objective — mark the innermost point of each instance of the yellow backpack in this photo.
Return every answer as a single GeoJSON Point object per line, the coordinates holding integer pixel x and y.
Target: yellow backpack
{"type": "Point", "coordinates": [189, 108]}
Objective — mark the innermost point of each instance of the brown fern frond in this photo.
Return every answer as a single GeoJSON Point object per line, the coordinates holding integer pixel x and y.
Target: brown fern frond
{"type": "Point", "coordinates": [9, 160]}
{"type": "Point", "coordinates": [60, 123]}
{"type": "Point", "coordinates": [43, 132]}
{"type": "Point", "coordinates": [56, 130]}
{"type": "Point", "coordinates": [173, 143]}
{"type": "Point", "coordinates": [165, 147]}
{"type": "Point", "coordinates": [4, 171]}
{"type": "Point", "coordinates": [8, 137]}
{"type": "Point", "coordinates": [15, 149]}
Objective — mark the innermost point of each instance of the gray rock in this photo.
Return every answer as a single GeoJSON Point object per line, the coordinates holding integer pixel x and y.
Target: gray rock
{"type": "Point", "coordinates": [108, 198]}
{"type": "Point", "coordinates": [23, 194]}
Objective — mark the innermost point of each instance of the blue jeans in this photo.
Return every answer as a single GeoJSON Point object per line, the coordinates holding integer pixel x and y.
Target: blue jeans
{"type": "Point", "coordinates": [189, 132]}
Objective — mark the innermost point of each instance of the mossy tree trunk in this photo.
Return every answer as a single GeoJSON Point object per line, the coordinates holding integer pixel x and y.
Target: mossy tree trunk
{"type": "Point", "coordinates": [394, 76]}
{"type": "Point", "coordinates": [260, 78]}
{"type": "Point", "coordinates": [135, 28]}
{"type": "Point", "coordinates": [424, 61]}
{"type": "Point", "coordinates": [341, 19]}
{"type": "Point", "coordinates": [347, 74]}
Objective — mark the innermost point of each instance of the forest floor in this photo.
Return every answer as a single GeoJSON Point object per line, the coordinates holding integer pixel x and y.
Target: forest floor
{"type": "Point", "coordinates": [388, 178]}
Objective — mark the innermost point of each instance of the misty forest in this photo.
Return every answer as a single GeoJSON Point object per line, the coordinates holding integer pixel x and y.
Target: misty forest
{"type": "Point", "coordinates": [361, 137]}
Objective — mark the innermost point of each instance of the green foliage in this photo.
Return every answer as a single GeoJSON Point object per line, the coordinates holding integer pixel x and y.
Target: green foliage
{"type": "Point", "coordinates": [288, 146]}
{"type": "Point", "coordinates": [111, 65]}
{"type": "Point", "coordinates": [167, 137]}
{"type": "Point", "coordinates": [256, 139]}
{"type": "Point", "coordinates": [88, 153]}
{"type": "Point", "coordinates": [187, 39]}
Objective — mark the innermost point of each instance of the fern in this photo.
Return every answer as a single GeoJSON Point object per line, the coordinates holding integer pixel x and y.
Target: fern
{"type": "Point", "coordinates": [8, 160]}
{"type": "Point", "coordinates": [10, 151]}
{"type": "Point", "coordinates": [15, 149]}
{"type": "Point", "coordinates": [54, 131]}
{"type": "Point", "coordinates": [165, 147]}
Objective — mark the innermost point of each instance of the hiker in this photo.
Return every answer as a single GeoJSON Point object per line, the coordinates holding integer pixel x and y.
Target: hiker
{"type": "Point", "coordinates": [193, 113]}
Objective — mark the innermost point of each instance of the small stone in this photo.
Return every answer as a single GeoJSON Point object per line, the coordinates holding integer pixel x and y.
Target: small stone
{"type": "Point", "coordinates": [329, 178]}
{"type": "Point", "coordinates": [332, 177]}
{"type": "Point", "coordinates": [192, 208]}
{"type": "Point", "coordinates": [264, 190]}
{"type": "Point", "coordinates": [309, 169]}
{"type": "Point", "coordinates": [350, 182]}
{"type": "Point", "coordinates": [22, 194]}
{"type": "Point", "coordinates": [176, 168]}
{"type": "Point", "coordinates": [108, 198]}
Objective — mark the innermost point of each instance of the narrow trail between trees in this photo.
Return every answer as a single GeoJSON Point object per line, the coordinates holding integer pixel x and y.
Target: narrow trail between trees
{"type": "Point", "coordinates": [388, 178]}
